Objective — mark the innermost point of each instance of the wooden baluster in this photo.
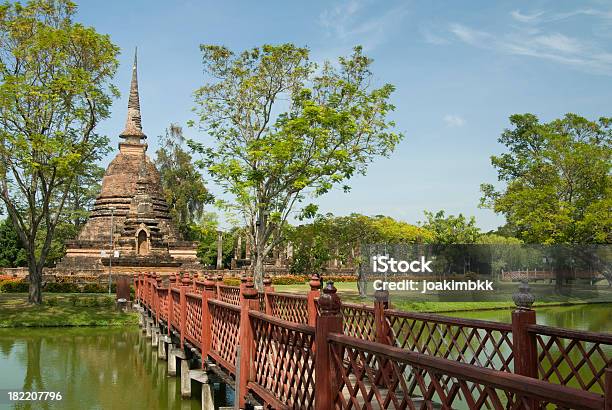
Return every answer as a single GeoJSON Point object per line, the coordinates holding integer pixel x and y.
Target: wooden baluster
{"type": "Point", "coordinates": [195, 281]}
{"type": "Point", "coordinates": [328, 321]}
{"type": "Point", "coordinates": [158, 285]}
{"type": "Point", "coordinates": [219, 282]}
{"type": "Point", "coordinates": [524, 347]}
{"type": "Point", "coordinates": [243, 281]}
{"type": "Point", "coordinates": [185, 284]}
{"type": "Point", "coordinates": [608, 389]}
{"type": "Point", "coordinates": [248, 301]}
{"type": "Point", "coordinates": [208, 293]}
{"type": "Point", "coordinates": [267, 289]}
{"type": "Point", "coordinates": [315, 286]}
{"type": "Point", "coordinates": [383, 335]}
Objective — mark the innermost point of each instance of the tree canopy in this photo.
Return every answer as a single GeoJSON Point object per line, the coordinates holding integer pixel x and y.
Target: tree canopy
{"type": "Point", "coordinates": [181, 181]}
{"type": "Point", "coordinates": [54, 90]}
{"type": "Point", "coordinates": [558, 186]}
{"type": "Point", "coordinates": [283, 128]}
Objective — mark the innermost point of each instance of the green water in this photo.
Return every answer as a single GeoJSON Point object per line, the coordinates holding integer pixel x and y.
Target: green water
{"type": "Point", "coordinates": [595, 317]}
{"type": "Point", "coordinates": [93, 368]}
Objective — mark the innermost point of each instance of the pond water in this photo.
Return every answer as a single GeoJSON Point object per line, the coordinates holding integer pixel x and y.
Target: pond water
{"type": "Point", "coordinates": [593, 317]}
{"type": "Point", "coordinates": [115, 368]}
{"type": "Point", "coordinates": [93, 368]}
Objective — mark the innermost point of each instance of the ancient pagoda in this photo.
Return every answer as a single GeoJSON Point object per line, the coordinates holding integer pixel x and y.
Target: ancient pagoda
{"type": "Point", "coordinates": [132, 210]}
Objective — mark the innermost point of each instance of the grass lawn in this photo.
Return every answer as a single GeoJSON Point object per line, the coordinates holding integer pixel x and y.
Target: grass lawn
{"type": "Point", "coordinates": [500, 299]}
{"type": "Point", "coordinates": [59, 309]}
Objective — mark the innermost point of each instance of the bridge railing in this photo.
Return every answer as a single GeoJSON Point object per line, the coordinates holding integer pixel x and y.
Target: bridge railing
{"type": "Point", "coordinates": [395, 355]}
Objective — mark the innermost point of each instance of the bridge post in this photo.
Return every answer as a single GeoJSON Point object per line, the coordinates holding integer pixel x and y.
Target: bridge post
{"type": "Point", "coordinates": [383, 334]}
{"type": "Point", "coordinates": [219, 282]}
{"type": "Point", "coordinates": [248, 301]}
{"type": "Point", "coordinates": [315, 286]}
{"type": "Point", "coordinates": [608, 389]}
{"type": "Point", "coordinates": [161, 348]}
{"type": "Point", "coordinates": [267, 282]}
{"type": "Point", "coordinates": [208, 293]}
{"type": "Point", "coordinates": [328, 321]}
{"type": "Point", "coordinates": [158, 285]}
{"type": "Point", "coordinates": [524, 347]}
{"type": "Point", "coordinates": [185, 285]}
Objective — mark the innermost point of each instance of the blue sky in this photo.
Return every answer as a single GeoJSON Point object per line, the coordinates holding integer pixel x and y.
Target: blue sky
{"type": "Point", "coordinates": [460, 71]}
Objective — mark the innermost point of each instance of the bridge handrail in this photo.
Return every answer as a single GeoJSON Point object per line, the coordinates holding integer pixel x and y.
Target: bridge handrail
{"type": "Point", "coordinates": [583, 335]}
{"type": "Point", "coordinates": [525, 386]}
{"type": "Point", "coordinates": [298, 327]}
{"type": "Point", "coordinates": [225, 305]}
{"type": "Point", "coordinates": [437, 318]}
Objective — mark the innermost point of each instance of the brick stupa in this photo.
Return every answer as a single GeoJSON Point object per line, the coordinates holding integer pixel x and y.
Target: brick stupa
{"type": "Point", "coordinates": [131, 205]}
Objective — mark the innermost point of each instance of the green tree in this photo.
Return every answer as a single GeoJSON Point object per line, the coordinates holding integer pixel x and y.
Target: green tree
{"type": "Point", "coordinates": [446, 230]}
{"type": "Point", "coordinates": [183, 185]}
{"type": "Point", "coordinates": [557, 180]}
{"type": "Point", "coordinates": [82, 195]}
{"type": "Point", "coordinates": [54, 91]}
{"type": "Point", "coordinates": [283, 128]}
{"type": "Point", "coordinates": [12, 252]}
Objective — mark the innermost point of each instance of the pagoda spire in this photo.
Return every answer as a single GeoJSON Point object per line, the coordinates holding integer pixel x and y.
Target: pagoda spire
{"type": "Point", "coordinates": [133, 124]}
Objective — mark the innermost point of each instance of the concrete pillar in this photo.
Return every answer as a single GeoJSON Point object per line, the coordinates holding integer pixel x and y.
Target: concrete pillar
{"type": "Point", "coordinates": [148, 329]}
{"type": "Point", "coordinates": [219, 250]}
{"type": "Point", "coordinates": [208, 401]}
{"type": "Point", "coordinates": [247, 248]}
{"type": "Point", "coordinates": [141, 319]}
{"type": "Point", "coordinates": [154, 336]}
{"type": "Point", "coordinates": [238, 254]}
{"type": "Point", "coordinates": [185, 379]}
{"type": "Point", "coordinates": [161, 349]}
{"type": "Point", "coordinates": [172, 360]}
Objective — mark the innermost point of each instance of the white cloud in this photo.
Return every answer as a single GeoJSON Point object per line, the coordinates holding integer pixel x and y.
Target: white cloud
{"type": "Point", "coordinates": [542, 17]}
{"type": "Point", "coordinates": [433, 38]}
{"type": "Point", "coordinates": [535, 41]}
{"type": "Point", "coordinates": [526, 18]}
{"type": "Point", "coordinates": [353, 22]}
{"type": "Point", "coordinates": [454, 120]}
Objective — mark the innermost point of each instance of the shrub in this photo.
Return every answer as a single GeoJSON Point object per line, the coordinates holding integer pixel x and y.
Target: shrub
{"type": "Point", "coordinates": [14, 286]}
{"type": "Point", "coordinates": [94, 288]}
{"type": "Point", "coordinates": [340, 278]}
{"type": "Point", "coordinates": [231, 281]}
{"type": "Point", "coordinates": [55, 287]}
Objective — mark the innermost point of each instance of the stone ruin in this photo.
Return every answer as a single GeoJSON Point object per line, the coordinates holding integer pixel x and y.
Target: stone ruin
{"type": "Point", "coordinates": [131, 208]}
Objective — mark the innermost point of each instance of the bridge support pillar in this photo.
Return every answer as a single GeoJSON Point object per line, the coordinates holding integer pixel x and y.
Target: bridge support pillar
{"type": "Point", "coordinates": [172, 360]}
{"type": "Point", "coordinates": [185, 379]}
{"type": "Point", "coordinates": [148, 329]}
{"type": "Point", "coordinates": [174, 353]}
{"type": "Point", "coordinates": [200, 376]}
{"type": "Point", "coordinates": [161, 349]}
{"type": "Point", "coordinates": [154, 336]}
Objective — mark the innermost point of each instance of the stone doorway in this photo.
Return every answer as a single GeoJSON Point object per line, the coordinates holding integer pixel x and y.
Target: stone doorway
{"type": "Point", "coordinates": [143, 243]}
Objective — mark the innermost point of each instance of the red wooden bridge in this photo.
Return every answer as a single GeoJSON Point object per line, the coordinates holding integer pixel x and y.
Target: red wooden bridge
{"type": "Point", "coordinates": [288, 351]}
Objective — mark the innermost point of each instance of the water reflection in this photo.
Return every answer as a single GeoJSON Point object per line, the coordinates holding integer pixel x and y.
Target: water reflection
{"type": "Point", "coordinates": [93, 368]}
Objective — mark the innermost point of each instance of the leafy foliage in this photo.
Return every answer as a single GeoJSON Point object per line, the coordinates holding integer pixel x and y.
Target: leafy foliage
{"type": "Point", "coordinates": [283, 128]}
{"type": "Point", "coordinates": [182, 184]}
{"type": "Point", "coordinates": [451, 229]}
{"type": "Point", "coordinates": [54, 90]}
{"type": "Point", "coordinates": [558, 182]}
{"type": "Point", "coordinates": [329, 237]}
{"type": "Point", "coordinates": [12, 252]}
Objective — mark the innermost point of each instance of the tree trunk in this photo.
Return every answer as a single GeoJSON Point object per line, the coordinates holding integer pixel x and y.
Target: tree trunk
{"type": "Point", "coordinates": [258, 271]}
{"type": "Point", "coordinates": [35, 291]}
